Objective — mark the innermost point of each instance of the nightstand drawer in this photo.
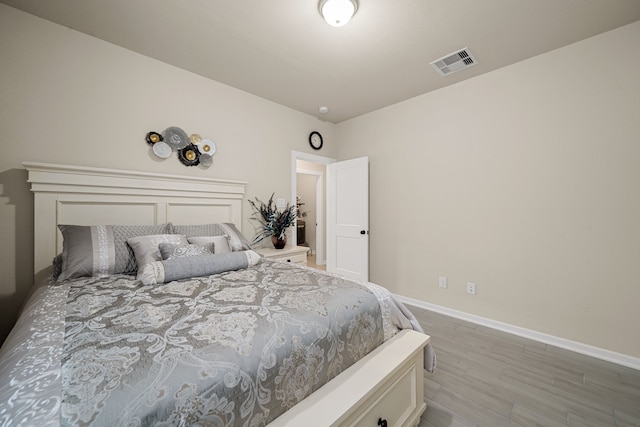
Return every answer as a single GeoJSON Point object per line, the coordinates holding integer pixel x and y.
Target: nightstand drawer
{"type": "Point", "coordinates": [294, 255]}
{"type": "Point", "coordinates": [295, 259]}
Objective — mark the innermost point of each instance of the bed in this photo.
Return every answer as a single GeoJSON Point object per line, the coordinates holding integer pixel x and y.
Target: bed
{"type": "Point", "coordinates": [166, 348]}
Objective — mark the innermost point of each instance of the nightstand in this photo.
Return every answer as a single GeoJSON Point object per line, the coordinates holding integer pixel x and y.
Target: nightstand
{"type": "Point", "coordinates": [293, 254]}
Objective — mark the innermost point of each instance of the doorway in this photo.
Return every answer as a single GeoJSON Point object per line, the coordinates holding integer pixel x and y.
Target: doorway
{"type": "Point", "coordinates": [310, 194]}
{"type": "Point", "coordinates": [311, 170]}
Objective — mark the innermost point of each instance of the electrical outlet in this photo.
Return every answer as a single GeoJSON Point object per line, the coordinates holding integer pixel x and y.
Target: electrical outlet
{"type": "Point", "coordinates": [442, 282]}
{"type": "Point", "coordinates": [471, 288]}
{"type": "Point", "coordinates": [281, 203]}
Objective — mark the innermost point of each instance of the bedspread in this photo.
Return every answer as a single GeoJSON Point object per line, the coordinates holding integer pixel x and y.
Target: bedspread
{"type": "Point", "coordinates": [232, 349]}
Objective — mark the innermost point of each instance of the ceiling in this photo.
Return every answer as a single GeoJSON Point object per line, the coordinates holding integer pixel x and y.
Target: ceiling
{"type": "Point", "coordinates": [283, 51]}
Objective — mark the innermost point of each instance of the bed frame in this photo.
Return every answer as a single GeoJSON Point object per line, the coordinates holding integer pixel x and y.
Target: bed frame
{"type": "Point", "coordinates": [384, 388]}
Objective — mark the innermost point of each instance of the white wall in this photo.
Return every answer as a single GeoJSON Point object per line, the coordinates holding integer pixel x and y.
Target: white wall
{"type": "Point", "coordinates": [69, 98]}
{"type": "Point", "coordinates": [525, 181]}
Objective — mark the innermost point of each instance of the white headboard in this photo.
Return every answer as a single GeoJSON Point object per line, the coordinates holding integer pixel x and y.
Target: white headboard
{"type": "Point", "coordinates": [81, 195]}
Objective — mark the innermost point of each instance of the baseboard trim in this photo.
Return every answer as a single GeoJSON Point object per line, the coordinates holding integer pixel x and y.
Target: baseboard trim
{"type": "Point", "coordinates": [599, 353]}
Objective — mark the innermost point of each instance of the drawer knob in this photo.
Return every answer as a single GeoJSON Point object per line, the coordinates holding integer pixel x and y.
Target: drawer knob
{"type": "Point", "coordinates": [382, 423]}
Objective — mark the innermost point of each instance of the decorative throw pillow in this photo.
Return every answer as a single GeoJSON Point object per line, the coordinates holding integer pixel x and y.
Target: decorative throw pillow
{"type": "Point", "coordinates": [220, 243]}
{"type": "Point", "coordinates": [237, 241]}
{"type": "Point", "coordinates": [146, 248]}
{"type": "Point", "coordinates": [172, 250]}
{"type": "Point", "coordinates": [101, 250]}
{"type": "Point", "coordinates": [196, 266]}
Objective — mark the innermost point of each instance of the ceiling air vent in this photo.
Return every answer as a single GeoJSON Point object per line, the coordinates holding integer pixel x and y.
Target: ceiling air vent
{"type": "Point", "coordinates": [453, 62]}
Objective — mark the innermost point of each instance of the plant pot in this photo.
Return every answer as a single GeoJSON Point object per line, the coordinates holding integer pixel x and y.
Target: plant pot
{"type": "Point", "coordinates": [279, 243]}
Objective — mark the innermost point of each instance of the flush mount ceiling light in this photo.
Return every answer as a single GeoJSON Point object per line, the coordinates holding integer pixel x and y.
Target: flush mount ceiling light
{"type": "Point", "coordinates": [337, 12]}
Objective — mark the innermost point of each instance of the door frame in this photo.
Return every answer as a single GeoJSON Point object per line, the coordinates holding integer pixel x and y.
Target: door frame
{"type": "Point", "coordinates": [321, 227]}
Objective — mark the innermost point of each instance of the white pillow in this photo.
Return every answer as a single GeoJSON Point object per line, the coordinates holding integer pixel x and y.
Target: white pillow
{"type": "Point", "coordinates": [146, 248]}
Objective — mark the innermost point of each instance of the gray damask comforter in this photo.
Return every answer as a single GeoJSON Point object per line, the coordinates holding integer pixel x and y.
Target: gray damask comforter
{"type": "Point", "coordinates": [233, 349]}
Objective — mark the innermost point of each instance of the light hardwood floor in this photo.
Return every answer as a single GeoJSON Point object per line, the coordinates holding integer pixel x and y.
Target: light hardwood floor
{"type": "Point", "coordinates": [489, 378]}
{"type": "Point", "coordinates": [311, 262]}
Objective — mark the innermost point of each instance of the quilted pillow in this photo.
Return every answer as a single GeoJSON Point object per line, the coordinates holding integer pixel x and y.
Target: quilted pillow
{"type": "Point", "coordinates": [237, 241]}
{"type": "Point", "coordinates": [101, 250]}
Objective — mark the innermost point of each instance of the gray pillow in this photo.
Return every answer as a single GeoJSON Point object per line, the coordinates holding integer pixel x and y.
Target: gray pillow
{"type": "Point", "coordinates": [172, 250]}
{"type": "Point", "coordinates": [147, 248]}
{"type": "Point", "coordinates": [101, 250]}
{"type": "Point", "coordinates": [196, 266]}
{"type": "Point", "coordinates": [236, 240]}
{"type": "Point", "coordinates": [220, 243]}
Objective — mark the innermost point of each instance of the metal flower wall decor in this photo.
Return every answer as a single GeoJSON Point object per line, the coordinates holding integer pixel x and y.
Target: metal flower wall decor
{"type": "Point", "coordinates": [192, 150]}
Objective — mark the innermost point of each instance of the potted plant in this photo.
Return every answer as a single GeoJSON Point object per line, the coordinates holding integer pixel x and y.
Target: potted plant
{"type": "Point", "coordinates": [274, 222]}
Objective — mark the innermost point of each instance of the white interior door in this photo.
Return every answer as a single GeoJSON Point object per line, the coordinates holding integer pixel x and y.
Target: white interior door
{"type": "Point", "coordinates": [348, 218]}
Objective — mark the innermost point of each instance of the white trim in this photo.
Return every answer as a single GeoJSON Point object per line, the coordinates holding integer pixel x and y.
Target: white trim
{"type": "Point", "coordinates": [320, 222]}
{"type": "Point", "coordinates": [588, 350]}
{"type": "Point", "coordinates": [314, 158]}
{"type": "Point", "coordinates": [54, 178]}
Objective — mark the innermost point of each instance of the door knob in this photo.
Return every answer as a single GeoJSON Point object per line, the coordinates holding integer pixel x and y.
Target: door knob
{"type": "Point", "coordinates": [363, 232]}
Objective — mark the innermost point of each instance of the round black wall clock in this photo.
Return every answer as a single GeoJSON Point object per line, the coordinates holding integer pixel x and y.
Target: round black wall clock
{"type": "Point", "coordinates": [315, 140]}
